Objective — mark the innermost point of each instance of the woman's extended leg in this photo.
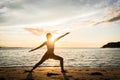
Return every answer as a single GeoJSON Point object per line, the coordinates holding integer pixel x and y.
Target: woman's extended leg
{"type": "Point", "coordinates": [45, 57]}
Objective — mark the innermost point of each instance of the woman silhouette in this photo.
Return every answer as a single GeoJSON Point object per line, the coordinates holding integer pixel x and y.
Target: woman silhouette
{"type": "Point", "coordinates": [50, 51]}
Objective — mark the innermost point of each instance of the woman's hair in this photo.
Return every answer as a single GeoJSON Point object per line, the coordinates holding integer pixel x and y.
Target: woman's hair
{"type": "Point", "coordinates": [48, 34]}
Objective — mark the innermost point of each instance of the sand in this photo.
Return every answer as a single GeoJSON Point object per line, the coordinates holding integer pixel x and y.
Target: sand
{"type": "Point", "coordinates": [54, 73]}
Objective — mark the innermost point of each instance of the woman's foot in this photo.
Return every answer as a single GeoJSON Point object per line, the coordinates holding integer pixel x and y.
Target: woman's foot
{"type": "Point", "coordinates": [63, 71]}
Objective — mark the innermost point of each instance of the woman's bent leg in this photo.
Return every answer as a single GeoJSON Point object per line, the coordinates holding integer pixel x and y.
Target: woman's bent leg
{"type": "Point", "coordinates": [61, 61]}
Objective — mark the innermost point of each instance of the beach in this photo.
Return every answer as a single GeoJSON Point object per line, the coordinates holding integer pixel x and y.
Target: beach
{"type": "Point", "coordinates": [54, 73]}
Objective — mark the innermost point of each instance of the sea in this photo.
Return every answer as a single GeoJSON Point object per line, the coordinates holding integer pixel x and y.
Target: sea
{"type": "Point", "coordinates": [73, 57]}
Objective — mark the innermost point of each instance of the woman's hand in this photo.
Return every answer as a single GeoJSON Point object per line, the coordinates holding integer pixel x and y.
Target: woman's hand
{"type": "Point", "coordinates": [67, 32]}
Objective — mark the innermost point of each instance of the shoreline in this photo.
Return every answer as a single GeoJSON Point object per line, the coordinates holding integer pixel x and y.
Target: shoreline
{"type": "Point", "coordinates": [54, 73]}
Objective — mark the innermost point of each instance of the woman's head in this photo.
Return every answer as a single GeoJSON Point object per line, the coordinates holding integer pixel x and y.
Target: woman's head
{"type": "Point", "coordinates": [48, 36]}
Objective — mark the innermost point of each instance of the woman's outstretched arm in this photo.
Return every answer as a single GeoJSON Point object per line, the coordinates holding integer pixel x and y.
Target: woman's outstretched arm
{"type": "Point", "coordinates": [61, 36]}
{"type": "Point", "coordinates": [38, 47]}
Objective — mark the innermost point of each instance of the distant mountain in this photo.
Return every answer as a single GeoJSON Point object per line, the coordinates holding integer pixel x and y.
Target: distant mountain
{"type": "Point", "coordinates": [13, 47]}
{"type": "Point", "coordinates": [112, 45]}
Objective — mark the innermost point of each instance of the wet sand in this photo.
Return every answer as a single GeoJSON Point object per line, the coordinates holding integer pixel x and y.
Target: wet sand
{"type": "Point", "coordinates": [54, 73]}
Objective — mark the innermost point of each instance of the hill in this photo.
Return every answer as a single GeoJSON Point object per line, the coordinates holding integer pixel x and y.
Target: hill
{"type": "Point", "coordinates": [112, 45]}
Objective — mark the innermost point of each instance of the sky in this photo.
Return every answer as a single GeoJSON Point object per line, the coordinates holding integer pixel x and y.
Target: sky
{"type": "Point", "coordinates": [91, 23]}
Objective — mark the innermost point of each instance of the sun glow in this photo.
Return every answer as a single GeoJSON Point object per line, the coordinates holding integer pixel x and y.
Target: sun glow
{"type": "Point", "coordinates": [52, 39]}
{"type": "Point", "coordinates": [54, 36]}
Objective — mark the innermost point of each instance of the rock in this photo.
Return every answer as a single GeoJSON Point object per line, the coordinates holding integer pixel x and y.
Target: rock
{"type": "Point", "coordinates": [112, 45]}
{"type": "Point", "coordinates": [97, 73]}
{"type": "Point", "coordinates": [51, 74]}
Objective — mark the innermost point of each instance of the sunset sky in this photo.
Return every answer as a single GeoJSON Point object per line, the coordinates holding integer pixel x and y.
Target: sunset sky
{"type": "Point", "coordinates": [92, 23]}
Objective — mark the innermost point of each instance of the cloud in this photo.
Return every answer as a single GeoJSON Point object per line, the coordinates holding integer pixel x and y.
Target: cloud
{"type": "Point", "coordinates": [111, 13]}
{"type": "Point", "coordinates": [34, 31]}
{"type": "Point", "coordinates": [114, 18]}
{"type": "Point", "coordinates": [77, 22]}
{"type": "Point", "coordinates": [17, 12]}
{"type": "Point", "coordinates": [78, 12]}
{"type": "Point", "coordinates": [41, 31]}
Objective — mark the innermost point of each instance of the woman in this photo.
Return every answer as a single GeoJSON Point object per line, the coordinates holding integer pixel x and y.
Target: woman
{"type": "Point", "coordinates": [50, 51]}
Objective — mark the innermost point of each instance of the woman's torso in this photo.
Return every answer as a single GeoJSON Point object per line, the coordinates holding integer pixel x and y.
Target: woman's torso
{"type": "Point", "coordinates": [50, 46]}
